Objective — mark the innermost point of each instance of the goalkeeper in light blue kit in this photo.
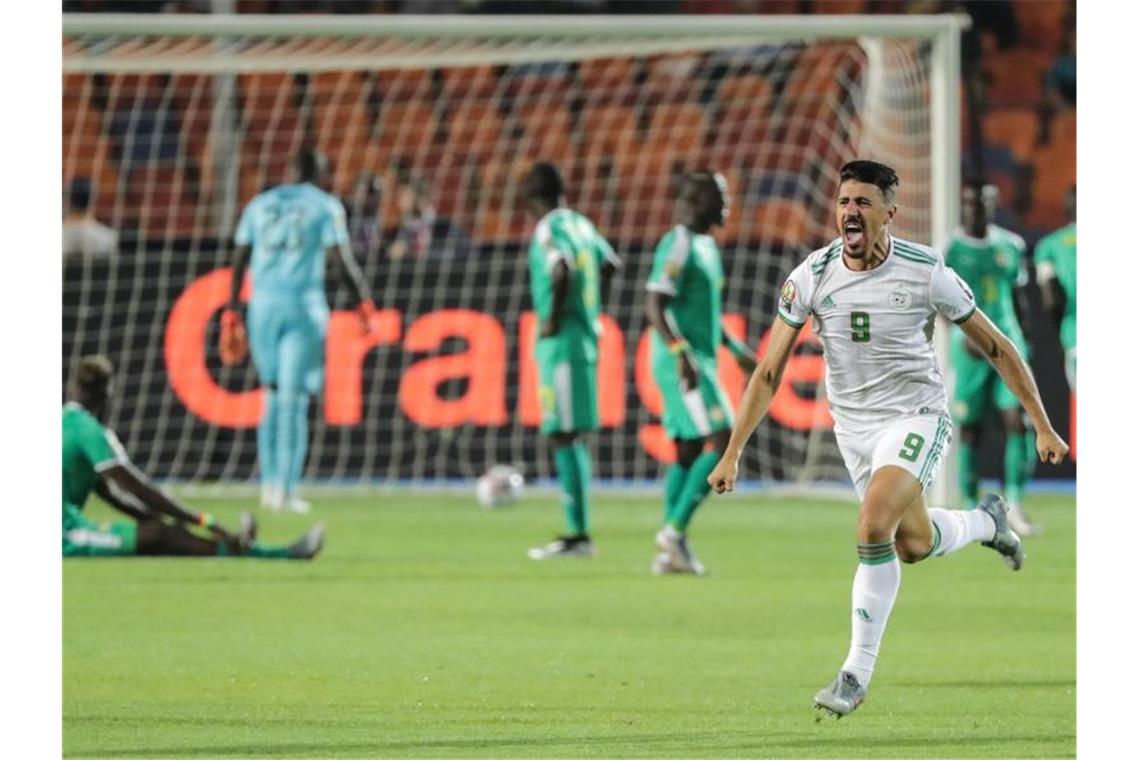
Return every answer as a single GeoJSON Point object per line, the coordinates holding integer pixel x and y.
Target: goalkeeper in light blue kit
{"type": "Point", "coordinates": [283, 237]}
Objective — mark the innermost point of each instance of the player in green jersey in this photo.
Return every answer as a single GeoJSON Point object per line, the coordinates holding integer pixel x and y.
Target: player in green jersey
{"type": "Point", "coordinates": [684, 307]}
{"type": "Point", "coordinates": [1056, 260]}
{"type": "Point", "coordinates": [992, 262]}
{"type": "Point", "coordinates": [570, 268]}
{"type": "Point", "coordinates": [94, 460]}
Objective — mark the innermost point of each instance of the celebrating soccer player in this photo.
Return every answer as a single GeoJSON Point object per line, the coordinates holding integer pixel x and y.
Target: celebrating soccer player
{"type": "Point", "coordinates": [684, 307]}
{"type": "Point", "coordinates": [1056, 260]}
{"type": "Point", "coordinates": [570, 268]}
{"type": "Point", "coordinates": [93, 459]}
{"type": "Point", "coordinates": [992, 262]}
{"type": "Point", "coordinates": [874, 299]}
{"type": "Point", "coordinates": [290, 230]}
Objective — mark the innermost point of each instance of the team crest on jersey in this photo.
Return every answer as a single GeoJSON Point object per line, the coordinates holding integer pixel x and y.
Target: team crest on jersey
{"type": "Point", "coordinates": [672, 269]}
{"type": "Point", "coordinates": [788, 294]}
{"type": "Point", "coordinates": [900, 299]}
{"type": "Point", "coordinates": [1001, 259]}
{"type": "Point", "coordinates": [716, 414]}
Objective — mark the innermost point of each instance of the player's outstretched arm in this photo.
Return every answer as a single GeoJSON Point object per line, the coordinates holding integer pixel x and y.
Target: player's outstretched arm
{"type": "Point", "coordinates": [758, 396]}
{"type": "Point", "coordinates": [1002, 354]}
{"type": "Point", "coordinates": [238, 264]}
{"type": "Point", "coordinates": [740, 351]}
{"type": "Point", "coordinates": [116, 500]}
{"type": "Point", "coordinates": [353, 278]}
{"type": "Point", "coordinates": [130, 479]}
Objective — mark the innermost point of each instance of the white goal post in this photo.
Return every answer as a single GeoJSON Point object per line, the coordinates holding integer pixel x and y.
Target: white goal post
{"type": "Point", "coordinates": [174, 121]}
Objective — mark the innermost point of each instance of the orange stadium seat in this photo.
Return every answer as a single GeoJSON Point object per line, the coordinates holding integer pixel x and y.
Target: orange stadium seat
{"type": "Point", "coordinates": [404, 84]}
{"type": "Point", "coordinates": [672, 79]}
{"type": "Point", "coordinates": [1055, 169]}
{"type": "Point", "coordinates": [608, 80]}
{"type": "Point", "coordinates": [1064, 126]}
{"type": "Point", "coordinates": [782, 220]}
{"type": "Point", "coordinates": [474, 129]}
{"type": "Point", "coordinates": [678, 127]}
{"type": "Point", "coordinates": [608, 129]}
{"type": "Point", "coordinates": [744, 88]}
{"type": "Point", "coordinates": [1016, 78]}
{"type": "Point", "coordinates": [1015, 128]}
{"type": "Point", "coordinates": [406, 126]}
{"type": "Point", "coordinates": [469, 83]}
{"type": "Point", "coordinates": [545, 133]}
{"type": "Point", "coordinates": [1042, 24]}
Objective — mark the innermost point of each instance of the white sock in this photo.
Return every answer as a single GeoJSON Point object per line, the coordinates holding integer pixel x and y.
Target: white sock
{"type": "Point", "coordinates": [872, 597]}
{"type": "Point", "coordinates": [955, 528]}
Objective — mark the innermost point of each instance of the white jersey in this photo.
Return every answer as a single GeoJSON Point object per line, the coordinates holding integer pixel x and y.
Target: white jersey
{"type": "Point", "coordinates": [877, 328]}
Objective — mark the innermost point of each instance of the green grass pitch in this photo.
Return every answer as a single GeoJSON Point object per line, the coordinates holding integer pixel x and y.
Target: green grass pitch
{"type": "Point", "coordinates": [423, 631]}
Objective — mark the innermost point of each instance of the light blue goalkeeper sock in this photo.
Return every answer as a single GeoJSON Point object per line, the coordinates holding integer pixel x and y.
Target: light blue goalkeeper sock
{"type": "Point", "coordinates": [292, 439]}
{"type": "Point", "coordinates": [267, 440]}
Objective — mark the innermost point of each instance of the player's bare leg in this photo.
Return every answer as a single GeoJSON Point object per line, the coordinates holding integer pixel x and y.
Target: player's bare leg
{"type": "Point", "coordinates": [1020, 460]}
{"type": "Point", "coordinates": [157, 538]}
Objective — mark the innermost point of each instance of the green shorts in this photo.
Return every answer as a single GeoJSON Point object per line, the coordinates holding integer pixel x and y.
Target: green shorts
{"type": "Point", "coordinates": [695, 413]}
{"type": "Point", "coordinates": [977, 386]}
{"type": "Point", "coordinates": [567, 393]}
{"type": "Point", "coordinates": [84, 538]}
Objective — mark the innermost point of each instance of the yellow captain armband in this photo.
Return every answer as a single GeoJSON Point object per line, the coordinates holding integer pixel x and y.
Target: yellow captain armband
{"type": "Point", "coordinates": [677, 346]}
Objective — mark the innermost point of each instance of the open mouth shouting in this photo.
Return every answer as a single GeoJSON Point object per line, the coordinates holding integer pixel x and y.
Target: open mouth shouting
{"type": "Point", "coordinates": [853, 233]}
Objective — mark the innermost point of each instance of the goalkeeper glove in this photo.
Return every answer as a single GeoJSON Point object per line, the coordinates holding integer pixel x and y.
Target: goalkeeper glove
{"type": "Point", "coordinates": [367, 311]}
{"type": "Point", "coordinates": [233, 345]}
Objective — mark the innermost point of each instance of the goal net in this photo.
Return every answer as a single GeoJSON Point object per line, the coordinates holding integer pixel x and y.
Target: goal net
{"type": "Point", "coordinates": [430, 124]}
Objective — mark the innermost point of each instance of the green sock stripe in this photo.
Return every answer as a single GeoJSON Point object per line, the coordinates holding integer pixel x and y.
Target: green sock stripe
{"type": "Point", "coordinates": [878, 560]}
{"type": "Point", "coordinates": [937, 542]}
{"type": "Point", "coordinates": [873, 554]}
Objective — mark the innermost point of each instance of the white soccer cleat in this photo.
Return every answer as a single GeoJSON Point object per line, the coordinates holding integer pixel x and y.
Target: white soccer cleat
{"type": "Point", "coordinates": [271, 498]}
{"type": "Point", "coordinates": [563, 546]}
{"type": "Point", "coordinates": [675, 556]}
{"type": "Point", "coordinates": [297, 506]}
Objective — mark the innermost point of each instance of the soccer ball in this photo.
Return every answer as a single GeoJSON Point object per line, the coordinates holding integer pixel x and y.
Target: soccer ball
{"type": "Point", "coordinates": [499, 486]}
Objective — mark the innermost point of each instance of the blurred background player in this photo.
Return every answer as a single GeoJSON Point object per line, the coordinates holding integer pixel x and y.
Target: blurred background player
{"type": "Point", "coordinates": [570, 268]}
{"type": "Point", "coordinates": [873, 299]}
{"type": "Point", "coordinates": [992, 262]}
{"type": "Point", "coordinates": [83, 234]}
{"type": "Point", "coordinates": [684, 307]}
{"type": "Point", "coordinates": [283, 237]}
{"type": "Point", "coordinates": [94, 460]}
{"type": "Point", "coordinates": [1056, 259]}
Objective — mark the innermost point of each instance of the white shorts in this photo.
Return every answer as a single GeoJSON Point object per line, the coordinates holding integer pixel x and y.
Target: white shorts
{"type": "Point", "coordinates": [917, 444]}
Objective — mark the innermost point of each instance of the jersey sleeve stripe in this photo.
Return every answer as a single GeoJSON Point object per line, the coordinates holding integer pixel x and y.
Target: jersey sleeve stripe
{"type": "Point", "coordinates": [968, 314]}
{"type": "Point", "coordinates": [661, 286]}
{"type": "Point", "coordinates": [789, 320]}
{"type": "Point", "coordinates": [916, 259]}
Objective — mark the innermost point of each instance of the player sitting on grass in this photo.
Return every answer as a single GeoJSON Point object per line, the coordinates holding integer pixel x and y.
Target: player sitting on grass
{"type": "Point", "coordinates": [874, 299]}
{"type": "Point", "coordinates": [684, 306]}
{"type": "Point", "coordinates": [93, 459]}
{"type": "Point", "coordinates": [992, 262]}
{"type": "Point", "coordinates": [570, 268]}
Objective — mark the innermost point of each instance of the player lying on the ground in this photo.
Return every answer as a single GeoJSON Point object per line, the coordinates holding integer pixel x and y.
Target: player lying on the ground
{"type": "Point", "coordinates": [284, 237]}
{"type": "Point", "coordinates": [570, 268]}
{"type": "Point", "coordinates": [992, 262]}
{"type": "Point", "coordinates": [94, 460]}
{"type": "Point", "coordinates": [874, 299]}
{"type": "Point", "coordinates": [684, 307]}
